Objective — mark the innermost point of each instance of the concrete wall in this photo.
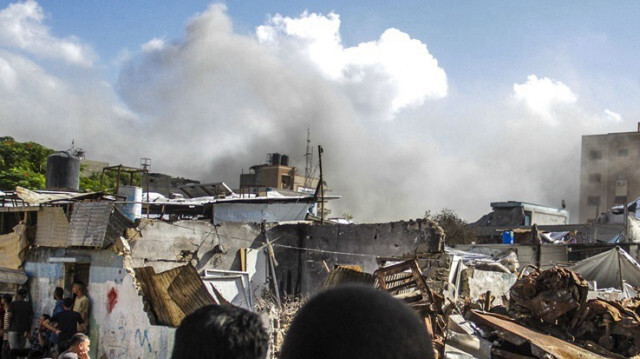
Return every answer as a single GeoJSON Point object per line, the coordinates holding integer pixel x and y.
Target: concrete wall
{"type": "Point", "coordinates": [303, 271]}
{"type": "Point", "coordinates": [119, 326]}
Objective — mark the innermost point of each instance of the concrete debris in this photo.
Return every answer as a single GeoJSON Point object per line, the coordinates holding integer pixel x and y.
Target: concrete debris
{"type": "Point", "coordinates": [280, 317]}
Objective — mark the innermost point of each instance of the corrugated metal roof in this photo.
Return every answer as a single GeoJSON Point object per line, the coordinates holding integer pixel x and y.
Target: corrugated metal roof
{"type": "Point", "coordinates": [96, 224]}
{"type": "Point", "coordinates": [53, 227]}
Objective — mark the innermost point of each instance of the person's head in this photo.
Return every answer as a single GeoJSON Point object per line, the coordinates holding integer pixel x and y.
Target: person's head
{"type": "Point", "coordinates": [22, 294]}
{"type": "Point", "coordinates": [58, 293]}
{"type": "Point", "coordinates": [356, 322]}
{"type": "Point", "coordinates": [220, 332]}
{"type": "Point", "coordinates": [44, 318]}
{"type": "Point", "coordinates": [79, 343]}
{"type": "Point", "coordinates": [79, 288]}
{"type": "Point", "coordinates": [6, 300]}
{"type": "Point", "coordinates": [67, 303]}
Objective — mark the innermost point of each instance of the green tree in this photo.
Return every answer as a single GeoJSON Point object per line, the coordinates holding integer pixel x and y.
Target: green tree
{"type": "Point", "coordinates": [455, 228]}
{"type": "Point", "coordinates": [22, 164]}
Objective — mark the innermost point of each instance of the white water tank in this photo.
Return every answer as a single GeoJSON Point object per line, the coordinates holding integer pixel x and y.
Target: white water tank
{"type": "Point", "coordinates": [133, 195]}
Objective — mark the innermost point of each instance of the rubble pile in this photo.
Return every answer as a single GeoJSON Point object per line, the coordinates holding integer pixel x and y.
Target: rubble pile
{"type": "Point", "coordinates": [613, 325]}
{"type": "Point", "coordinates": [280, 317]}
{"type": "Point", "coordinates": [555, 302]}
{"type": "Point", "coordinates": [553, 296]}
{"type": "Point", "coordinates": [405, 281]}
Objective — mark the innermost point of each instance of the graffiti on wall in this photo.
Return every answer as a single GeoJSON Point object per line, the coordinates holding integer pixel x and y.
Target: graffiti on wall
{"type": "Point", "coordinates": [112, 299]}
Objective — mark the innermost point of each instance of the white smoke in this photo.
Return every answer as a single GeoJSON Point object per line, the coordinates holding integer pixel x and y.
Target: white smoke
{"type": "Point", "coordinates": [215, 102]}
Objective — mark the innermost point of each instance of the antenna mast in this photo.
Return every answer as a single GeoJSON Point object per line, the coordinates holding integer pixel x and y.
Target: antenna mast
{"type": "Point", "coordinates": [308, 169]}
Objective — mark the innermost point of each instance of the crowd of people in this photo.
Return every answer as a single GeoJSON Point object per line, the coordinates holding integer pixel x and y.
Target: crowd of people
{"type": "Point", "coordinates": [346, 322]}
{"type": "Point", "coordinates": [353, 322]}
{"type": "Point", "coordinates": [60, 334]}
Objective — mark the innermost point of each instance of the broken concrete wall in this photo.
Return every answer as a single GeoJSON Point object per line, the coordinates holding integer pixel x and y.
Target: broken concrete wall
{"type": "Point", "coordinates": [119, 326]}
{"type": "Point", "coordinates": [303, 271]}
{"type": "Point", "coordinates": [166, 245]}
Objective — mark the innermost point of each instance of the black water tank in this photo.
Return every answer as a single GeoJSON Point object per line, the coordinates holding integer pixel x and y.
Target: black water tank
{"type": "Point", "coordinates": [284, 160]}
{"type": "Point", "coordinates": [275, 159]}
{"type": "Point", "coordinates": [63, 171]}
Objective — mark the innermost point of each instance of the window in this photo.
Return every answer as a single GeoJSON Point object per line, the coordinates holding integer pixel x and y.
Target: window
{"type": "Point", "coordinates": [286, 182]}
{"type": "Point", "coordinates": [593, 200]}
{"type": "Point", "coordinates": [595, 178]}
{"type": "Point", "coordinates": [595, 155]}
{"type": "Point", "coordinates": [623, 152]}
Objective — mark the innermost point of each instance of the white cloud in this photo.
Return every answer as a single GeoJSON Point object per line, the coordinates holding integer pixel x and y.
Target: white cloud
{"type": "Point", "coordinates": [543, 96]}
{"type": "Point", "coordinates": [21, 27]}
{"type": "Point", "coordinates": [214, 102]}
{"type": "Point", "coordinates": [153, 45]}
{"type": "Point", "coordinates": [397, 65]}
{"type": "Point", "coordinates": [612, 116]}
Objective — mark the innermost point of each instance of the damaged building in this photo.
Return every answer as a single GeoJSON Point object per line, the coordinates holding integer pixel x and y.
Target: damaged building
{"type": "Point", "coordinates": [150, 260]}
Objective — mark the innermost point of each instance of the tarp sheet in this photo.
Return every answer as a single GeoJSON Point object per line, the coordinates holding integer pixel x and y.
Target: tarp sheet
{"type": "Point", "coordinates": [606, 268]}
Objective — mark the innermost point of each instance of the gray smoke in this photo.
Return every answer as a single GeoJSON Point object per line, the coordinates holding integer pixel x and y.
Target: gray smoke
{"type": "Point", "coordinates": [398, 141]}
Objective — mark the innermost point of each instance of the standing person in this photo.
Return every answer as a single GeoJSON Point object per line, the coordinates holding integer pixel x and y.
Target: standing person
{"type": "Point", "coordinates": [6, 301]}
{"type": "Point", "coordinates": [78, 349]}
{"type": "Point", "coordinates": [68, 324]}
{"type": "Point", "coordinates": [81, 304]}
{"type": "Point", "coordinates": [39, 340]}
{"type": "Point", "coordinates": [58, 294]}
{"type": "Point", "coordinates": [20, 318]}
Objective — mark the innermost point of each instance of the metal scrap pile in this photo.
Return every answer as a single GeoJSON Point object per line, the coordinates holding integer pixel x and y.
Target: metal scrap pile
{"type": "Point", "coordinates": [555, 302]}
{"type": "Point", "coordinates": [553, 296]}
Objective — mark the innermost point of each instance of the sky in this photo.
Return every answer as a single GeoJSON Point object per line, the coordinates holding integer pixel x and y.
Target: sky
{"type": "Point", "coordinates": [419, 105]}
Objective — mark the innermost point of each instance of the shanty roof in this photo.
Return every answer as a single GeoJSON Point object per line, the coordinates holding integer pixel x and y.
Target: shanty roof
{"type": "Point", "coordinates": [26, 197]}
{"type": "Point", "coordinates": [194, 190]}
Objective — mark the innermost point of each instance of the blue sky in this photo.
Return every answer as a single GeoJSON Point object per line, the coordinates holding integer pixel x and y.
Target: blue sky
{"type": "Point", "coordinates": [477, 39]}
{"type": "Point", "coordinates": [420, 105]}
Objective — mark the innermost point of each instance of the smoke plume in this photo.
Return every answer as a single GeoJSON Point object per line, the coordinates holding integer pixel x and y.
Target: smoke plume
{"type": "Point", "coordinates": [397, 140]}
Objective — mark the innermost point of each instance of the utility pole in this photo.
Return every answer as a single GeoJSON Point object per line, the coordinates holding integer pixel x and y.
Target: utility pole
{"type": "Point", "coordinates": [320, 187]}
{"type": "Point", "coordinates": [308, 168]}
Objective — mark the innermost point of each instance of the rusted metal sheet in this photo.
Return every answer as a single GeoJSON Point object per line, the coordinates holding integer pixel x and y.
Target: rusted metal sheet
{"type": "Point", "coordinates": [172, 294]}
{"type": "Point", "coordinates": [553, 296]}
{"type": "Point", "coordinates": [554, 301]}
{"type": "Point", "coordinates": [542, 345]}
{"type": "Point", "coordinates": [53, 227]}
{"type": "Point", "coordinates": [96, 224]}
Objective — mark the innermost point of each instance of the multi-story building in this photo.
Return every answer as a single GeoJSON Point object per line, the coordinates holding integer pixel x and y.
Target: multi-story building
{"type": "Point", "coordinates": [277, 174]}
{"type": "Point", "coordinates": [609, 172]}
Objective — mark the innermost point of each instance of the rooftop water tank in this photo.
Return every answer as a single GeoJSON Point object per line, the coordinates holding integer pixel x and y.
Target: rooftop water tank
{"type": "Point", "coordinates": [63, 172]}
{"type": "Point", "coordinates": [284, 160]}
{"type": "Point", "coordinates": [275, 159]}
